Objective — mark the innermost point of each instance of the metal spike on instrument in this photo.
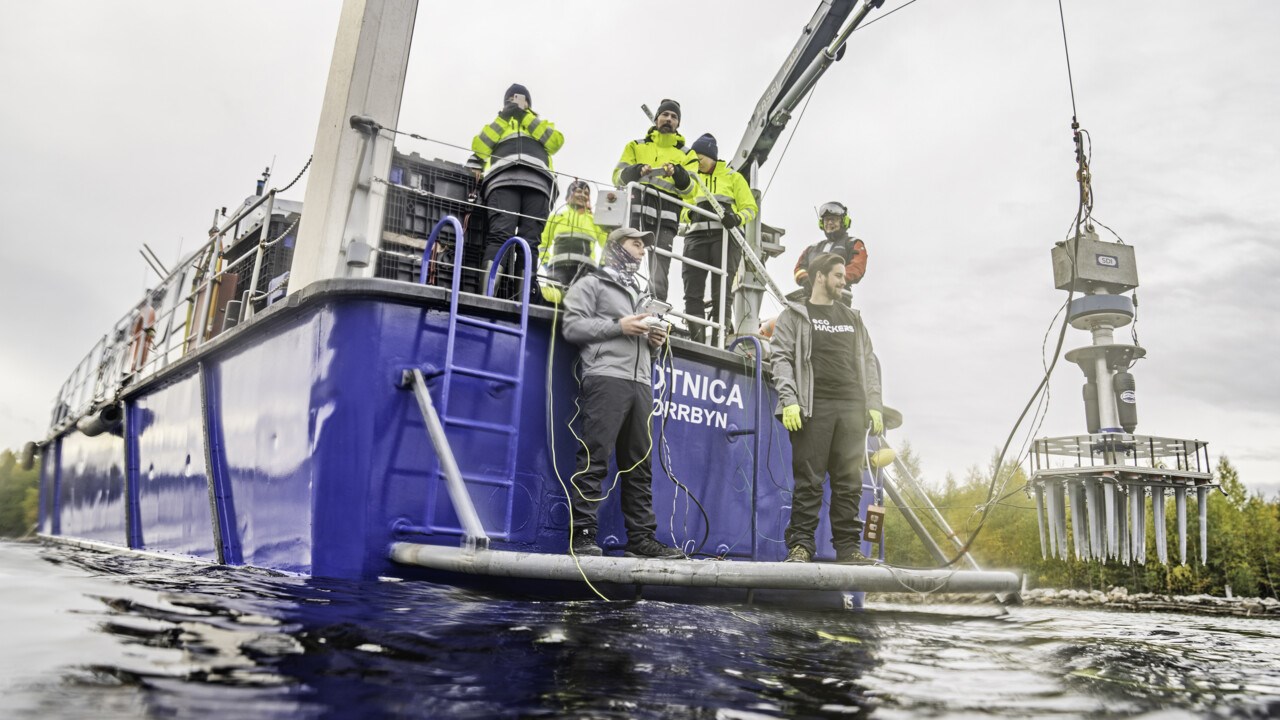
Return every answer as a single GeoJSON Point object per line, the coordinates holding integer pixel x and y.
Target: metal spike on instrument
{"type": "Point", "coordinates": [1135, 523]}
{"type": "Point", "coordinates": [1142, 524]}
{"type": "Point", "coordinates": [1077, 520]}
{"type": "Point", "coordinates": [1051, 541]}
{"type": "Point", "coordinates": [1095, 520]}
{"type": "Point", "coordinates": [1123, 520]}
{"type": "Point", "coordinates": [1044, 549]}
{"type": "Point", "coordinates": [1180, 501]}
{"type": "Point", "coordinates": [1109, 507]}
{"type": "Point", "coordinates": [1202, 500]}
{"type": "Point", "coordinates": [1157, 521]}
{"type": "Point", "coordinates": [1061, 520]}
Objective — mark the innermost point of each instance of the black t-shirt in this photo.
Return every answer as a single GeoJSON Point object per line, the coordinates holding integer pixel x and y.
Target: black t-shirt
{"type": "Point", "coordinates": [835, 364]}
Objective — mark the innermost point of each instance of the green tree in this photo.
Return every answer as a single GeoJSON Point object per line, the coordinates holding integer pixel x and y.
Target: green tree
{"type": "Point", "coordinates": [19, 496]}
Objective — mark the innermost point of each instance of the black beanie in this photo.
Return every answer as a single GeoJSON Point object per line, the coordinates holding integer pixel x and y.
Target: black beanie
{"type": "Point", "coordinates": [518, 88]}
{"type": "Point", "coordinates": [671, 105]}
{"type": "Point", "coordinates": [706, 145]}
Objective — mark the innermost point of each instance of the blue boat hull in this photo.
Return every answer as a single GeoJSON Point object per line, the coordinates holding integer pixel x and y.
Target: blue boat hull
{"type": "Point", "coordinates": [289, 444]}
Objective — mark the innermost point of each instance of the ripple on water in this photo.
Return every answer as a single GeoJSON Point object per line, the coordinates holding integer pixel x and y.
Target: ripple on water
{"type": "Point", "coordinates": [112, 636]}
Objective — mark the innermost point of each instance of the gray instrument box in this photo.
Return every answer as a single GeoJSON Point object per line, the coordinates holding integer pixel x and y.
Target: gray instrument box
{"type": "Point", "coordinates": [1106, 265]}
{"type": "Point", "coordinates": [611, 206]}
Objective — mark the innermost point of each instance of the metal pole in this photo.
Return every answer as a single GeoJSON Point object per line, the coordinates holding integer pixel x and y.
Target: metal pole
{"type": "Point", "coordinates": [915, 523]}
{"type": "Point", "coordinates": [929, 507]}
{"type": "Point", "coordinates": [458, 495]}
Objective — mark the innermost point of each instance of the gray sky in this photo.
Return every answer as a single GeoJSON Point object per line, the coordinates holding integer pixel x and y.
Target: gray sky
{"type": "Point", "coordinates": [946, 129]}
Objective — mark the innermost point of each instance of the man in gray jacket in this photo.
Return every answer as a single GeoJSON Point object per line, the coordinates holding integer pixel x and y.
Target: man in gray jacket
{"type": "Point", "coordinates": [828, 383]}
{"type": "Point", "coordinates": [604, 317]}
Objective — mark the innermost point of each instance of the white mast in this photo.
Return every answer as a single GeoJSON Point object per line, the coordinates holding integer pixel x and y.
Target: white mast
{"type": "Point", "coordinates": [342, 209]}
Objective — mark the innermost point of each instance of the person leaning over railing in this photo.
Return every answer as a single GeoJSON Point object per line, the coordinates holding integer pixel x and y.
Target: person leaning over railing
{"type": "Point", "coordinates": [828, 383]}
{"type": "Point", "coordinates": [660, 161]}
{"type": "Point", "coordinates": [571, 242]}
{"type": "Point", "coordinates": [705, 238]}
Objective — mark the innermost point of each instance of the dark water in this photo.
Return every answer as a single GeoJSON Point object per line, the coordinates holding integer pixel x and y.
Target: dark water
{"type": "Point", "coordinates": [94, 635]}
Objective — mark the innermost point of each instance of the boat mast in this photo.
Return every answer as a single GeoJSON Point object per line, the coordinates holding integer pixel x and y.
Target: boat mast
{"type": "Point", "coordinates": [343, 217]}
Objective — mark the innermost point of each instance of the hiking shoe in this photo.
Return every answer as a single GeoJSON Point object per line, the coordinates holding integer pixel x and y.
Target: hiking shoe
{"type": "Point", "coordinates": [650, 548]}
{"type": "Point", "coordinates": [799, 553]}
{"type": "Point", "coordinates": [853, 557]}
{"type": "Point", "coordinates": [584, 543]}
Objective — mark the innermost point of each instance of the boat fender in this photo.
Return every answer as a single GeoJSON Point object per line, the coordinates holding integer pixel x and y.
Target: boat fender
{"type": "Point", "coordinates": [27, 459]}
{"type": "Point", "coordinates": [883, 457]}
{"type": "Point", "coordinates": [140, 333]}
{"type": "Point", "coordinates": [107, 419]}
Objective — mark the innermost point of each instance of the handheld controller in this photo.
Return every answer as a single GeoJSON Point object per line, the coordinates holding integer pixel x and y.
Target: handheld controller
{"type": "Point", "coordinates": [657, 322]}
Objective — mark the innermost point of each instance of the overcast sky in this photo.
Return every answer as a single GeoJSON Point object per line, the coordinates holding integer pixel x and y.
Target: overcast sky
{"type": "Point", "coordinates": [946, 129]}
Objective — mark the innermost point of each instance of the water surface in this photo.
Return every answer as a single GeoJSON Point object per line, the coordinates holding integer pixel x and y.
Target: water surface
{"type": "Point", "coordinates": [102, 635]}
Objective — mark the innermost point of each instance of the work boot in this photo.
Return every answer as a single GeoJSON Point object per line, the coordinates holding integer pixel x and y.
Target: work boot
{"type": "Point", "coordinates": [584, 543]}
{"type": "Point", "coordinates": [650, 548]}
{"type": "Point", "coordinates": [799, 554]}
{"type": "Point", "coordinates": [853, 557]}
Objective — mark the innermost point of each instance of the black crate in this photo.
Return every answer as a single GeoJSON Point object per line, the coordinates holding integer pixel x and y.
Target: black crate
{"type": "Point", "coordinates": [446, 189]}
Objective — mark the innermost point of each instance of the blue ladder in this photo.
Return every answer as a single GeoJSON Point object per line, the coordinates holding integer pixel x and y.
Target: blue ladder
{"type": "Point", "coordinates": [505, 480]}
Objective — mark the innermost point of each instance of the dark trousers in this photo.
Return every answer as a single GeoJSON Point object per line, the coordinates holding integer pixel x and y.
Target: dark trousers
{"type": "Point", "coordinates": [566, 273]}
{"type": "Point", "coordinates": [504, 222]}
{"type": "Point", "coordinates": [664, 234]}
{"type": "Point", "coordinates": [615, 415]}
{"type": "Point", "coordinates": [707, 248]}
{"type": "Point", "coordinates": [832, 441]}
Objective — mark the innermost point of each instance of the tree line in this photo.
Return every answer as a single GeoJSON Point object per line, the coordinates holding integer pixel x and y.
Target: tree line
{"type": "Point", "coordinates": [19, 496]}
{"type": "Point", "coordinates": [1244, 538]}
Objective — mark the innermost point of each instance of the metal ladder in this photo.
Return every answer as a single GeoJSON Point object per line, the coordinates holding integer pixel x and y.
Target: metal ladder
{"type": "Point", "coordinates": [439, 426]}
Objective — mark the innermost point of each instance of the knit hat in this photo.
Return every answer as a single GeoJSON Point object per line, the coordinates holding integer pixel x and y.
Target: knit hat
{"type": "Point", "coordinates": [671, 105]}
{"type": "Point", "coordinates": [518, 88]}
{"type": "Point", "coordinates": [706, 145]}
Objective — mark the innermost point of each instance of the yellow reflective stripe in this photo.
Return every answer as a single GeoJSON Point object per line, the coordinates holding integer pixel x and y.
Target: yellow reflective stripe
{"type": "Point", "coordinates": [662, 184]}
{"type": "Point", "coordinates": [546, 135]}
{"type": "Point", "coordinates": [488, 141]}
{"type": "Point", "coordinates": [496, 127]}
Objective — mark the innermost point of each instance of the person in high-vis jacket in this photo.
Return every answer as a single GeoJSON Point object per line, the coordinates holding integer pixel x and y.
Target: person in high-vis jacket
{"type": "Point", "coordinates": [518, 181]}
{"type": "Point", "coordinates": [661, 162]}
{"type": "Point", "coordinates": [706, 239]}
{"type": "Point", "coordinates": [604, 316]}
{"type": "Point", "coordinates": [833, 219]}
{"type": "Point", "coordinates": [571, 242]}
{"type": "Point", "coordinates": [828, 383]}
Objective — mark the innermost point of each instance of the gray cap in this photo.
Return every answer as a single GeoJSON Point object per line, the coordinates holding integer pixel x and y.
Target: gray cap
{"type": "Point", "coordinates": [623, 233]}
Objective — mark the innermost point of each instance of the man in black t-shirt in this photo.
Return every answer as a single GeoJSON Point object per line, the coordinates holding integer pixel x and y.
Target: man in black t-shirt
{"type": "Point", "coordinates": [828, 383]}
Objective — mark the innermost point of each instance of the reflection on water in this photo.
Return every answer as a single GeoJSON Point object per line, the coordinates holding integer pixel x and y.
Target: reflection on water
{"type": "Point", "coordinates": [89, 634]}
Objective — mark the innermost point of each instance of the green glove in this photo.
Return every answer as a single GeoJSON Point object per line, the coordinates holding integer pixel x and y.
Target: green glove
{"type": "Point", "coordinates": [877, 421]}
{"type": "Point", "coordinates": [791, 417]}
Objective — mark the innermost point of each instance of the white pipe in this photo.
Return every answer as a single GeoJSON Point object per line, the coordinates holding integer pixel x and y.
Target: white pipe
{"type": "Point", "coordinates": [701, 573]}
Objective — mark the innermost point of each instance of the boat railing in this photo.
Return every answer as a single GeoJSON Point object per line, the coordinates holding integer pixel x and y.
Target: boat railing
{"type": "Point", "coordinates": [715, 330]}
{"type": "Point", "coordinates": [192, 310]}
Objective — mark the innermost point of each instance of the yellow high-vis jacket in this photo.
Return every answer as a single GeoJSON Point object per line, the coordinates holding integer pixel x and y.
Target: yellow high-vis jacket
{"type": "Point", "coordinates": [519, 140]}
{"type": "Point", "coordinates": [730, 189]}
{"type": "Point", "coordinates": [655, 150]}
{"type": "Point", "coordinates": [571, 235]}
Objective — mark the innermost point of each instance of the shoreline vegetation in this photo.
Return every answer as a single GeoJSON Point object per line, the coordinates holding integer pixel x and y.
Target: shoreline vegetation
{"type": "Point", "coordinates": [1243, 559]}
